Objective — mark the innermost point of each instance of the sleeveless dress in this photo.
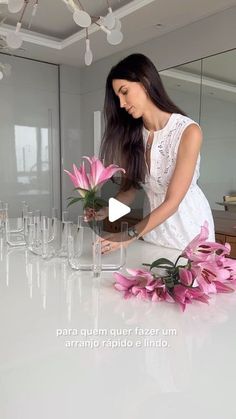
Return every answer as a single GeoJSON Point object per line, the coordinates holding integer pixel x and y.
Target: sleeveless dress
{"type": "Point", "coordinates": [180, 228]}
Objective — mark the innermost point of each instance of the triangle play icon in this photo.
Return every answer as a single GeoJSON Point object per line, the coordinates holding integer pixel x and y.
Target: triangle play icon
{"type": "Point", "coordinates": [117, 209]}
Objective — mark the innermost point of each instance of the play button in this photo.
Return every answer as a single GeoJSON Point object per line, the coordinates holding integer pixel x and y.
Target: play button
{"type": "Point", "coordinates": [117, 210]}
{"type": "Point", "coordinates": [111, 221]}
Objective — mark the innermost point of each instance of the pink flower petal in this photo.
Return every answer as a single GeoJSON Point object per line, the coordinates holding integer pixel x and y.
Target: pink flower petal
{"type": "Point", "coordinates": [123, 280]}
{"type": "Point", "coordinates": [72, 177]}
{"type": "Point", "coordinates": [220, 287]}
{"type": "Point", "coordinates": [186, 276]}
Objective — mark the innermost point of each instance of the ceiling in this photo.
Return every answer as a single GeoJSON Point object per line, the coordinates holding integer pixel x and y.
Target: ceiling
{"type": "Point", "coordinates": [56, 38]}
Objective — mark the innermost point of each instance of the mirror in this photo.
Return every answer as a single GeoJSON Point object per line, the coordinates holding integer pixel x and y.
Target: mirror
{"type": "Point", "coordinates": [206, 91]}
{"type": "Point", "coordinates": [218, 121]}
{"type": "Point", "coordinates": [183, 85]}
{"type": "Point", "coordinates": [29, 131]}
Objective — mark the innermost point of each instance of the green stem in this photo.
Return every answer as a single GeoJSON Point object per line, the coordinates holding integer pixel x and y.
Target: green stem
{"type": "Point", "coordinates": [180, 256]}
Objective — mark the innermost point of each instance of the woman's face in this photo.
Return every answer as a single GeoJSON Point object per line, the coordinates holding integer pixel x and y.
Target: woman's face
{"type": "Point", "coordinates": [132, 95]}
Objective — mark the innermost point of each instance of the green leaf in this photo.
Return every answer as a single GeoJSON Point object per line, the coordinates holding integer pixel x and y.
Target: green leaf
{"type": "Point", "coordinates": [89, 199]}
{"type": "Point", "coordinates": [101, 202]}
{"type": "Point", "coordinates": [88, 203]}
{"type": "Point", "coordinates": [160, 262]}
{"type": "Point", "coordinates": [73, 201]}
{"type": "Point", "coordinates": [170, 285]}
{"type": "Point", "coordinates": [72, 197]}
{"type": "Point", "coordinates": [81, 189]}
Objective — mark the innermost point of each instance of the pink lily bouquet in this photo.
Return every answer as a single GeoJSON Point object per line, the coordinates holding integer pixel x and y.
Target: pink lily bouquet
{"type": "Point", "coordinates": [208, 270]}
{"type": "Point", "coordinates": [87, 184]}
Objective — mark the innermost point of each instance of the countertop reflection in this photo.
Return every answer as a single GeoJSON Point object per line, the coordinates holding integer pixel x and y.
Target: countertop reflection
{"type": "Point", "coordinates": [71, 346]}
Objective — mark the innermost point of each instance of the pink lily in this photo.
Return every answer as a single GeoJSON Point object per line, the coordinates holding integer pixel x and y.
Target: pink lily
{"type": "Point", "coordinates": [161, 293]}
{"type": "Point", "coordinates": [145, 282]}
{"type": "Point", "coordinates": [199, 249]}
{"type": "Point", "coordinates": [155, 287]}
{"type": "Point", "coordinates": [208, 270]}
{"type": "Point", "coordinates": [222, 287]}
{"type": "Point", "coordinates": [186, 276]}
{"type": "Point", "coordinates": [124, 283]}
{"type": "Point", "coordinates": [209, 275]}
{"type": "Point", "coordinates": [137, 273]}
{"type": "Point", "coordinates": [183, 295]}
{"type": "Point", "coordinates": [229, 265]}
{"type": "Point", "coordinates": [143, 286]}
{"type": "Point", "coordinates": [140, 293]}
{"type": "Point", "coordinates": [80, 179]}
{"type": "Point", "coordinates": [139, 278]}
{"type": "Point", "coordinates": [96, 178]}
{"type": "Point", "coordinates": [100, 174]}
{"type": "Point", "coordinates": [157, 291]}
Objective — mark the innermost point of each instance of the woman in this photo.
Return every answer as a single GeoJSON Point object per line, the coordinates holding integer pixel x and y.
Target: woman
{"type": "Point", "coordinates": [158, 146]}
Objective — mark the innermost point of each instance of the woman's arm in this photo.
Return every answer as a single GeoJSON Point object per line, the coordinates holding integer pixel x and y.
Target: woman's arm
{"type": "Point", "coordinates": [188, 152]}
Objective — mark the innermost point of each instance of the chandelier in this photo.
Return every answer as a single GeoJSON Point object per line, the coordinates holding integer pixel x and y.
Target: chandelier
{"type": "Point", "coordinates": [109, 24]}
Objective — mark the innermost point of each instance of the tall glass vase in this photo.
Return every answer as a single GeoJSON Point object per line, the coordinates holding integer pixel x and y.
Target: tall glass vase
{"type": "Point", "coordinates": [84, 248]}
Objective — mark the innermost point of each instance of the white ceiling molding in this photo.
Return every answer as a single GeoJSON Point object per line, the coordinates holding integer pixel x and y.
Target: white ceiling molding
{"type": "Point", "coordinates": [57, 44]}
{"type": "Point", "coordinates": [34, 37]}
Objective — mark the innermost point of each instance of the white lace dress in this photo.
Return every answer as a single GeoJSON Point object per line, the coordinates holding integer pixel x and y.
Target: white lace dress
{"type": "Point", "coordinates": [179, 229]}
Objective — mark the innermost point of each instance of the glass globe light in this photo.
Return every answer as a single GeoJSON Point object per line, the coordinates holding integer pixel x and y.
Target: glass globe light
{"type": "Point", "coordinates": [114, 37]}
{"type": "Point", "coordinates": [82, 18]}
{"type": "Point", "coordinates": [14, 6]}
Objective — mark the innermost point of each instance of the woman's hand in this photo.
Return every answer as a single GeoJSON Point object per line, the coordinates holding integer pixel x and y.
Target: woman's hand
{"type": "Point", "coordinates": [90, 214]}
{"type": "Point", "coordinates": [113, 241]}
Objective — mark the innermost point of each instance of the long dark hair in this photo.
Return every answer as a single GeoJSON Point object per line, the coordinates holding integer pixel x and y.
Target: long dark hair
{"type": "Point", "coordinates": [122, 142]}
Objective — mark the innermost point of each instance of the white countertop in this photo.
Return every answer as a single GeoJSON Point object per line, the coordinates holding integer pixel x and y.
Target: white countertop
{"type": "Point", "coordinates": [41, 378]}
